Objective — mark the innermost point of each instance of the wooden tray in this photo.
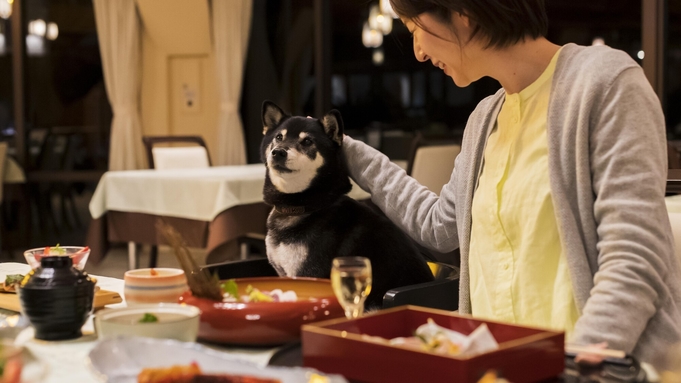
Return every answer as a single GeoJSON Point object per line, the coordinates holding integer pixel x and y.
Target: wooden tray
{"type": "Point", "coordinates": [10, 301]}
{"type": "Point", "coordinates": [336, 346]}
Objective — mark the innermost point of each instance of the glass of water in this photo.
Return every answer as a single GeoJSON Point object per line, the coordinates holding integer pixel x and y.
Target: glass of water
{"type": "Point", "coordinates": [351, 282]}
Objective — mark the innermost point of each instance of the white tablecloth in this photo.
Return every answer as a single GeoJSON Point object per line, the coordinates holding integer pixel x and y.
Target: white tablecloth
{"type": "Point", "coordinates": [199, 194]}
{"type": "Point", "coordinates": [67, 361]}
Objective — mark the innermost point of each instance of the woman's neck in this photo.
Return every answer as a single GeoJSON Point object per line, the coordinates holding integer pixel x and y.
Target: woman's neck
{"type": "Point", "coordinates": [518, 66]}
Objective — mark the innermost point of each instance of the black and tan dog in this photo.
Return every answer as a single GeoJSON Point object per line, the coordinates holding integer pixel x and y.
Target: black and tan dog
{"type": "Point", "coordinates": [313, 220]}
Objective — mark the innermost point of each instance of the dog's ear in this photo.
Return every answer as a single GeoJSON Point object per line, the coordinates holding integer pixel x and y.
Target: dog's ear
{"type": "Point", "coordinates": [333, 126]}
{"type": "Point", "coordinates": [271, 116]}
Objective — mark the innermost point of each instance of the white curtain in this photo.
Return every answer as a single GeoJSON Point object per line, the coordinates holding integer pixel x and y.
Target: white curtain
{"type": "Point", "coordinates": [231, 26]}
{"type": "Point", "coordinates": [118, 30]}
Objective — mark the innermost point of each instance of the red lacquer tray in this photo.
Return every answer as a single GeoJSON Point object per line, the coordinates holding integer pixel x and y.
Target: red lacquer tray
{"type": "Point", "coordinates": [336, 346]}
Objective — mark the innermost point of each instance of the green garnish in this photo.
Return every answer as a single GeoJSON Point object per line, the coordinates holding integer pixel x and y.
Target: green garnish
{"type": "Point", "coordinates": [59, 250]}
{"type": "Point", "coordinates": [148, 318]}
{"type": "Point", "coordinates": [11, 279]}
{"type": "Point", "coordinates": [229, 287]}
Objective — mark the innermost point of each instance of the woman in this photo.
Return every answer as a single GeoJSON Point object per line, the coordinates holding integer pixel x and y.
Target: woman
{"type": "Point", "coordinates": [557, 197]}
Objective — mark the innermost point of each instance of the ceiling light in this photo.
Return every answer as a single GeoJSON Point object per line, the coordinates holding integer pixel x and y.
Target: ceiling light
{"type": "Point", "coordinates": [387, 9]}
{"type": "Point", "coordinates": [52, 31]}
{"type": "Point", "coordinates": [371, 38]}
{"type": "Point", "coordinates": [379, 21]}
{"type": "Point", "coordinates": [378, 57]}
{"type": "Point", "coordinates": [5, 9]}
{"type": "Point", "coordinates": [37, 27]}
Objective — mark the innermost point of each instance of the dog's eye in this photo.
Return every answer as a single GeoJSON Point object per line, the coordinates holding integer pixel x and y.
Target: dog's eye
{"type": "Point", "coordinates": [306, 142]}
{"type": "Point", "coordinates": [279, 137]}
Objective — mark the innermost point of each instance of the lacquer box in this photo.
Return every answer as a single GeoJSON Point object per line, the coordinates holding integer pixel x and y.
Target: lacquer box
{"type": "Point", "coordinates": [338, 346]}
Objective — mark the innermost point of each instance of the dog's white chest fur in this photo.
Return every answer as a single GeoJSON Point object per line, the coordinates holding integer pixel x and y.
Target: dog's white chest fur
{"type": "Point", "coordinates": [286, 257]}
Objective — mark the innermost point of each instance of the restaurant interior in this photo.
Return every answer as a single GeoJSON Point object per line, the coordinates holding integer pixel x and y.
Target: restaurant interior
{"type": "Point", "coordinates": [132, 129]}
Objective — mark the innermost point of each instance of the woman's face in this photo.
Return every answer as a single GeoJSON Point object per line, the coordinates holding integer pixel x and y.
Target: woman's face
{"type": "Point", "coordinates": [447, 46]}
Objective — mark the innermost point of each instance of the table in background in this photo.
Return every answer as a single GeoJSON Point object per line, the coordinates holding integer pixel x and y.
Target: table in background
{"type": "Point", "coordinates": [208, 206]}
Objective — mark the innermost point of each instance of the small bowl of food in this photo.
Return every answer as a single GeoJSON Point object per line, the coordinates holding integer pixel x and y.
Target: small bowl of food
{"type": "Point", "coordinates": [157, 285]}
{"type": "Point", "coordinates": [78, 254]}
{"type": "Point", "coordinates": [264, 311]}
{"type": "Point", "coordinates": [162, 320]}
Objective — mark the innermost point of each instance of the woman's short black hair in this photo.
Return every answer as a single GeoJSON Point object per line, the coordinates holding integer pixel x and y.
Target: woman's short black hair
{"type": "Point", "coordinates": [502, 22]}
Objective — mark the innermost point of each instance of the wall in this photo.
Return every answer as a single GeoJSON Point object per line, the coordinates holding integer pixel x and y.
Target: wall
{"type": "Point", "coordinates": [177, 66]}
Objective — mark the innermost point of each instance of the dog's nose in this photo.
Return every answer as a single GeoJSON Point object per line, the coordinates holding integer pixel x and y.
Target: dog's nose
{"type": "Point", "coordinates": [279, 154]}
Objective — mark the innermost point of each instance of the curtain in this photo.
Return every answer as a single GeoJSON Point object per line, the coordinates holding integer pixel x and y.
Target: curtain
{"type": "Point", "coordinates": [118, 30]}
{"type": "Point", "coordinates": [231, 27]}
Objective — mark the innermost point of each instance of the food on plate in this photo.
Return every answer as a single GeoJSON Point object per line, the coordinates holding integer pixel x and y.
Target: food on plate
{"type": "Point", "coordinates": [10, 365]}
{"type": "Point", "coordinates": [11, 280]}
{"type": "Point", "coordinates": [153, 272]}
{"type": "Point", "coordinates": [192, 374]}
{"type": "Point", "coordinates": [440, 340]}
{"type": "Point", "coordinates": [148, 318]}
{"type": "Point", "coordinates": [492, 377]}
{"type": "Point", "coordinates": [231, 294]}
{"type": "Point", "coordinates": [58, 250]}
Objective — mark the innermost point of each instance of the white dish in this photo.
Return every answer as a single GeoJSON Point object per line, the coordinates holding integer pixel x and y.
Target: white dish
{"type": "Point", "coordinates": [175, 321]}
{"type": "Point", "coordinates": [120, 360]}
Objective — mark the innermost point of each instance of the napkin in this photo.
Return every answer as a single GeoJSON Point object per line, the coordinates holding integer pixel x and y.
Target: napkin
{"type": "Point", "coordinates": [451, 342]}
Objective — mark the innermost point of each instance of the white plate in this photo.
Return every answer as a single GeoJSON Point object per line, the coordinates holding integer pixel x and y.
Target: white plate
{"type": "Point", "coordinates": [120, 360]}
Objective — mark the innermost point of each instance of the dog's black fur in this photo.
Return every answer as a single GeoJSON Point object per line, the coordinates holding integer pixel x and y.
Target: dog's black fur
{"type": "Point", "coordinates": [320, 222]}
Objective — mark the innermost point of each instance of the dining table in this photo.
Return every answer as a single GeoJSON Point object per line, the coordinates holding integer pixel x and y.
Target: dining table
{"type": "Point", "coordinates": [208, 206]}
{"type": "Point", "coordinates": [68, 361]}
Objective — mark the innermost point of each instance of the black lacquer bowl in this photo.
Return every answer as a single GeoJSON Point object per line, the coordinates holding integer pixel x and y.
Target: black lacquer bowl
{"type": "Point", "coordinates": [57, 298]}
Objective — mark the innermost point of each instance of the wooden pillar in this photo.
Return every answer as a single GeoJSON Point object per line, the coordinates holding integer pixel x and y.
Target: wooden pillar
{"type": "Point", "coordinates": [18, 82]}
{"type": "Point", "coordinates": [654, 27]}
{"type": "Point", "coordinates": [322, 57]}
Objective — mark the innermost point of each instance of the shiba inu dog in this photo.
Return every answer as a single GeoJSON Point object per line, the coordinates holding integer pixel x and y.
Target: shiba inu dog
{"type": "Point", "coordinates": [313, 221]}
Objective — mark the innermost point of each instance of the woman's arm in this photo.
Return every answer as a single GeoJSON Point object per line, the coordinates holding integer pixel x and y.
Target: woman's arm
{"type": "Point", "coordinates": [628, 166]}
{"type": "Point", "coordinates": [427, 218]}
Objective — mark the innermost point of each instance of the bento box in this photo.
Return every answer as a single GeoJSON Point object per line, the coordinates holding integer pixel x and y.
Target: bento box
{"type": "Point", "coordinates": [343, 346]}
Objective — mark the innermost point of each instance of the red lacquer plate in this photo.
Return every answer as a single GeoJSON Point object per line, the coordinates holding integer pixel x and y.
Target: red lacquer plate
{"type": "Point", "coordinates": [266, 323]}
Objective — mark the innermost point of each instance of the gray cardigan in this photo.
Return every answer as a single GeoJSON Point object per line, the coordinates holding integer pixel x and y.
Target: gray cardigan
{"type": "Point", "coordinates": [607, 169]}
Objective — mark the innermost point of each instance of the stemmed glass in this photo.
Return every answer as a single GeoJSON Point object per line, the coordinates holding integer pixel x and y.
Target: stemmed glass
{"type": "Point", "coordinates": [351, 282]}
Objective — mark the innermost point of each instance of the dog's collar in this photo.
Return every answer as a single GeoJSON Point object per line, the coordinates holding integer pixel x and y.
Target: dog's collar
{"type": "Point", "coordinates": [292, 210]}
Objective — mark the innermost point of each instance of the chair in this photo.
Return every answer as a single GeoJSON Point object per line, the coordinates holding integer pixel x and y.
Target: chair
{"type": "Point", "coordinates": [176, 157]}
{"type": "Point", "coordinates": [675, 221]}
{"type": "Point", "coordinates": [187, 157]}
{"type": "Point", "coordinates": [58, 153]}
{"type": "Point", "coordinates": [673, 156]}
{"type": "Point", "coordinates": [441, 293]}
{"type": "Point", "coordinates": [431, 162]}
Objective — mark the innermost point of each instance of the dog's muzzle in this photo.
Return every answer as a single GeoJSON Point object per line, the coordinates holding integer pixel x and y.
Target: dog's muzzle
{"type": "Point", "coordinates": [278, 157]}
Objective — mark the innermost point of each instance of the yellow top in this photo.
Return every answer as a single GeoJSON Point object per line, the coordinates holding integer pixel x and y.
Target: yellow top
{"type": "Point", "coordinates": [518, 270]}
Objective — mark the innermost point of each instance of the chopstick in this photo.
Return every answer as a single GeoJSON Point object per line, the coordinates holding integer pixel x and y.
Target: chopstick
{"type": "Point", "coordinates": [608, 353]}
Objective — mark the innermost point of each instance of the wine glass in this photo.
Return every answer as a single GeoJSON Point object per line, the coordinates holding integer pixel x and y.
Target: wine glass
{"type": "Point", "coordinates": [351, 282]}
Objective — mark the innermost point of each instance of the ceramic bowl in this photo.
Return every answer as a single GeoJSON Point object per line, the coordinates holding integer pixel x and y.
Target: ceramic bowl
{"type": "Point", "coordinates": [78, 255]}
{"type": "Point", "coordinates": [174, 321]}
{"type": "Point", "coordinates": [57, 298]}
{"type": "Point", "coordinates": [158, 285]}
{"type": "Point", "coordinates": [266, 323]}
